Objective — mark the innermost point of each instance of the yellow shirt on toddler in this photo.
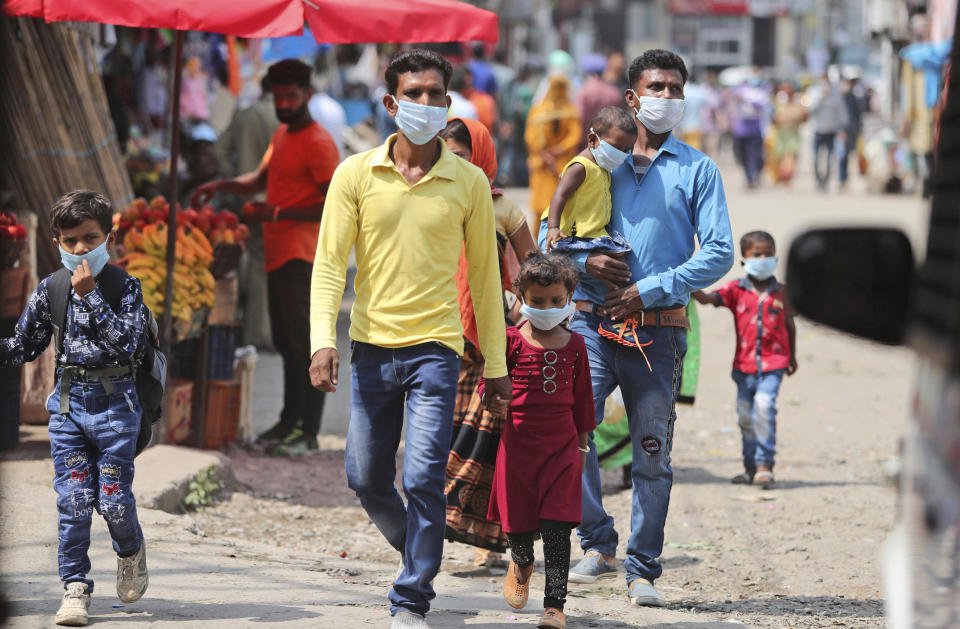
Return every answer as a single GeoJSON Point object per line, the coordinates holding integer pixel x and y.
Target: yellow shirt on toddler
{"type": "Point", "coordinates": [589, 207]}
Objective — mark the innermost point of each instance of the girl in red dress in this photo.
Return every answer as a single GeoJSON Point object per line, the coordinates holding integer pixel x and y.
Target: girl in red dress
{"type": "Point", "coordinates": [537, 482]}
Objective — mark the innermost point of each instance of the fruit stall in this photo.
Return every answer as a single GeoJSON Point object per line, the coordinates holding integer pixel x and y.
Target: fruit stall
{"type": "Point", "coordinates": [206, 332]}
{"type": "Point", "coordinates": [14, 278]}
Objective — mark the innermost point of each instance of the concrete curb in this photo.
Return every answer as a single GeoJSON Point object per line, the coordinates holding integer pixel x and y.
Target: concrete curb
{"type": "Point", "coordinates": [164, 472]}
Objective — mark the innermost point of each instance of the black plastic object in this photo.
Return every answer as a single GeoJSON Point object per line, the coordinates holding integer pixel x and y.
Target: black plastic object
{"type": "Point", "coordinates": [858, 280]}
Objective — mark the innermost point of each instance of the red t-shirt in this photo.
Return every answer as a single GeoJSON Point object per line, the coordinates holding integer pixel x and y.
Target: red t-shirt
{"type": "Point", "coordinates": [298, 163]}
{"type": "Point", "coordinates": [763, 343]}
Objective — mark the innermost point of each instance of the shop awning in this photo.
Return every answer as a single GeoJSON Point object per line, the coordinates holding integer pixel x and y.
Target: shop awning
{"type": "Point", "coordinates": [756, 8]}
{"type": "Point", "coordinates": [332, 21]}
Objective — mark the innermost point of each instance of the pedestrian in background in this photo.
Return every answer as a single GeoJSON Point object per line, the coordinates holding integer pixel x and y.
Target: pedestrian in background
{"type": "Point", "coordinates": [855, 100]}
{"type": "Point", "coordinates": [410, 207]}
{"type": "Point", "coordinates": [553, 134]}
{"type": "Point", "coordinates": [596, 92]}
{"type": "Point", "coordinates": [537, 482]}
{"type": "Point", "coordinates": [240, 148]}
{"type": "Point", "coordinates": [788, 115]}
{"type": "Point", "coordinates": [828, 114]}
{"type": "Point", "coordinates": [766, 351]}
{"type": "Point", "coordinates": [749, 105]}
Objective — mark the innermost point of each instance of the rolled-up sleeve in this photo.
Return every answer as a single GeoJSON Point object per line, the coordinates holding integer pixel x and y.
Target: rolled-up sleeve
{"type": "Point", "coordinates": [715, 257]}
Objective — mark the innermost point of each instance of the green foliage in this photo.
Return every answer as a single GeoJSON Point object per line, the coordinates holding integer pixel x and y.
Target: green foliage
{"type": "Point", "coordinates": [203, 489]}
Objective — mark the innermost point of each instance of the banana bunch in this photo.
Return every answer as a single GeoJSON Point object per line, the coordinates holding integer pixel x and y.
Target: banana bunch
{"type": "Point", "coordinates": [193, 283]}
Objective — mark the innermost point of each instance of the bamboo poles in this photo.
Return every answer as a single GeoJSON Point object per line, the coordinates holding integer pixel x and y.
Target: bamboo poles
{"type": "Point", "coordinates": [60, 136]}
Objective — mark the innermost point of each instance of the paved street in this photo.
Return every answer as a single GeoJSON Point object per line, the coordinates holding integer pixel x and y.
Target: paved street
{"type": "Point", "coordinates": [806, 554]}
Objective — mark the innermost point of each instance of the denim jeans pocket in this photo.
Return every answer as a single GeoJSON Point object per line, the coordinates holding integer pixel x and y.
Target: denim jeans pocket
{"type": "Point", "coordinates": [124, 413]}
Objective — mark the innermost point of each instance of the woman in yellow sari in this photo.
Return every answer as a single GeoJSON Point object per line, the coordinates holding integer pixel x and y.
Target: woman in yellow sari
{"type": "Point", "coordinates": [553, 136]}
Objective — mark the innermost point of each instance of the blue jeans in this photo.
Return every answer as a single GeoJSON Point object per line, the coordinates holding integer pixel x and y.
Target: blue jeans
{"type": "Point", "coordinates": [749, 150]}
{"type": "Point", "coordinates": [757, 415]}
{"type": "Point", "coordinates": [823, 142]}
{"type": "Point", "coordinates": [92, 449]}
{"type": "Point", "coordinates": [650, 399]}
{"type": "Point", "coordinates": [423, 380]}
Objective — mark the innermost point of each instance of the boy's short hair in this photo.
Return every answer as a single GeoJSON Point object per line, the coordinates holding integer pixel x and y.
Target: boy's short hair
{"type": "Point", "coordinates": [546, 269]}
{"type": "Point", "coordinates": [78, 206]}
{"type": "Point", "coordinates": [416, 60]}
{"type": "Point", "coordinates": [656, 59]}
{"type": "Point", "coordinates": [754, 237]}
{"type": "Point", "coordinates": [613, 118]}
{"type": "Point", "coordinates": [290, 72]}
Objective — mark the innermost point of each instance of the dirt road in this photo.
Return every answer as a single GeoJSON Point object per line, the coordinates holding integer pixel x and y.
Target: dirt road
{"type": "Point", "coordinates": [292, 548]}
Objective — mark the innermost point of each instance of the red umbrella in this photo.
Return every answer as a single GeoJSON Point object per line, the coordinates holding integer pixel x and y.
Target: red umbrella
{"type": "Point", "coordinates": [331, 21]}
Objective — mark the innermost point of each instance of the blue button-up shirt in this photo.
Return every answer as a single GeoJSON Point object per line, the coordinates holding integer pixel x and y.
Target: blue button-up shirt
{"type": "Point", "coordinates": [679, 197]}
{"type": "Point", "coordinates": [95, 336]}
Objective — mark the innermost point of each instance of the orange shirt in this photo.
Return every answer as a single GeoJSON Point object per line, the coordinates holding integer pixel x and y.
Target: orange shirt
{"type": "Point", "coordinates": [298, 163]}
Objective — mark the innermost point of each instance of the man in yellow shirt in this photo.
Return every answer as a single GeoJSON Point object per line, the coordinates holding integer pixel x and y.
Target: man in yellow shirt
{"type": "Point", "coordinates": [408, 207]}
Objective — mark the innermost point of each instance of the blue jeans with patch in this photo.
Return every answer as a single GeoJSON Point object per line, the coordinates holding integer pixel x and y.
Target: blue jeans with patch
{"type": "Point", "coordinates": [650, 398]}
{"type": "Point", "coordinates": [757, 415]}
{"type": "Point", "coordinates": [92, 448]}
{"type": "Point", "coordinates": [385, 382]}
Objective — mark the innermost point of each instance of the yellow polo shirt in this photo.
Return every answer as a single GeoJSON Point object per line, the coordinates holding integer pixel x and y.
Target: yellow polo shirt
{"type": "Point", "coordinates": [408, 240]}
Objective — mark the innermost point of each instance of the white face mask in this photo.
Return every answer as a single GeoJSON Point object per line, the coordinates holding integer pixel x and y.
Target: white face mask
{"type": "Point", "coordinates": [659, 115]}
{"type": "Point", "coordinates": [548, 318]}
{"type": "Point", "coordinates": [760, 268]}
{"type": "Point", "coordinates": [607, 156]}
{"type": "Point", "coordinates": [419, 123]}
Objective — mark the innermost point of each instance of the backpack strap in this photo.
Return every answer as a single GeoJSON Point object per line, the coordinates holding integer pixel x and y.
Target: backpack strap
{"type": "Point", "coordinates": [111, 281]}
{"type": "Point", "coordinates": [58, 294]}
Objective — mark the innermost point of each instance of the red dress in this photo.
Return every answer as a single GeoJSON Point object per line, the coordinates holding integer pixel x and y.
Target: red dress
{"type": "Point", "coordinates": [537, 474]}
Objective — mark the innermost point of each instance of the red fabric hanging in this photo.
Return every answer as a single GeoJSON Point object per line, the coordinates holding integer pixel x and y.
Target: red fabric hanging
{"type": "Point", "coordinates": [389, 21]}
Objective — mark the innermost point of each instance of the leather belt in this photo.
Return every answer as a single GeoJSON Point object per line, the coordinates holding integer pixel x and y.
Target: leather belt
{"type": "Point", "coordinates": [675, 317]}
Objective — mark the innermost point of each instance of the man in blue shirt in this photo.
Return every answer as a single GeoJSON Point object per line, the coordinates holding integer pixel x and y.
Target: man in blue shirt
{"type": "Point", "coordinates": [630, 311]}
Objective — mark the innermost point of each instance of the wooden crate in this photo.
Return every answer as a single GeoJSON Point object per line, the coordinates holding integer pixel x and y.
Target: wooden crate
{"type": "Point", "coordinates": [177, 405]}
{"type": "Point", "coordinates": [223, 413]}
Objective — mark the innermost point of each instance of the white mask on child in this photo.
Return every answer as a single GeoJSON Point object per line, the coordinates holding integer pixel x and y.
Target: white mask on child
{"type": "Point", "coordinates": [546, 318]}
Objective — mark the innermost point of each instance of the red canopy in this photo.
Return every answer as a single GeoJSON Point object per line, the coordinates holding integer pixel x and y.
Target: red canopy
{"type": "Point", "coordinates": [398, 22]}
{"type": "Point", "coordinates": [331, 21]}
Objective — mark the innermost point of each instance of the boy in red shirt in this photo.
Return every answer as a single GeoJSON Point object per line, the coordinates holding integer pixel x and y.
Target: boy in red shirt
{"type": "Point", "coordinates": [766, 350]}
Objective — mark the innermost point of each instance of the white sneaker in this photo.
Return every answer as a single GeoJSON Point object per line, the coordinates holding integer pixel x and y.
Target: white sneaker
{"type": "Point", "coordinates": [132, 577]}
{"type": "Point", "coordinates": [408, 620]}
{"type": "Point", "coordinates": [74, 610]}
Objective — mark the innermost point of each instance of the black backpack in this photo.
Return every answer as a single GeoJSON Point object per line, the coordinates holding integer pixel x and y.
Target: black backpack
{"type": "Point", "coordinates": [151, 372]}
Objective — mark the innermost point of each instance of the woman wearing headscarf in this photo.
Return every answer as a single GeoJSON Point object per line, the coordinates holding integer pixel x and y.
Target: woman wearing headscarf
{"type": "Point", "coordinates": [476, 432]}
{"type": "Point", "coordinates": [553, 137]}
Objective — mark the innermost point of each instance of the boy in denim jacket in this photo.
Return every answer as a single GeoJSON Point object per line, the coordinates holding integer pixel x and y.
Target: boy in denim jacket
{"type": "Point", "coordinates": [94, 409]}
